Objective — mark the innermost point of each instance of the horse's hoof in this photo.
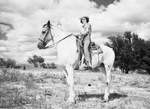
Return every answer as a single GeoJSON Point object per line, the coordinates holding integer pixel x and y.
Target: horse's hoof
{"type": "Point", "coordinates": [105, 101]}
{"type": "Point", "coordinates": [71, 100]}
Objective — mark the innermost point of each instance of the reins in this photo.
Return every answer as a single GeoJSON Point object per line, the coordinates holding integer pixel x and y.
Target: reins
{"type": "Point", "coordinates": [50, 46]}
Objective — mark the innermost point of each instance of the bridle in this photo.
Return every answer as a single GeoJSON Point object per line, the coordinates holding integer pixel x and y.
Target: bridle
{"type": "Point", "coordinates": [52, 38]}
{"type": "Point", "coordinates": [44, 41]}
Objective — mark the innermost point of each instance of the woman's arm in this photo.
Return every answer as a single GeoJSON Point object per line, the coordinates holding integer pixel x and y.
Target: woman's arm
{"type": "Point", "coordinates": [87, 30]}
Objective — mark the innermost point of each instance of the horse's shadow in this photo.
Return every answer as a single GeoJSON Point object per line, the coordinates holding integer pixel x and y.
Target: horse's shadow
{"type": "Point", "coordinates": [112, 96]}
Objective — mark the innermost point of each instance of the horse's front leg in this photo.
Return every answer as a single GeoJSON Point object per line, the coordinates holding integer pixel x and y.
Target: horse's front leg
{"type": "Point", "coordinates": [70, 80]}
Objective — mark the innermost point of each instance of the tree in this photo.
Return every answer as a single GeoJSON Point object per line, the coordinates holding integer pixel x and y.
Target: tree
{"type": "Point", "coordinates": [122, 46]}
{"type": "Point", "coordinates": [36, 60]}
{"type": "Point", "coordinates": [2, 62]}
{"type": "Point", "coordinates": [132, 53]}
{"type": "Point", "coordinates": [43, 65]}
{"type": "Point", "coordinates": [145, 61]}
{"type": "Point", "coordinates": [53, 65]}
{"type": "Point", "coordinates": [8, 63]}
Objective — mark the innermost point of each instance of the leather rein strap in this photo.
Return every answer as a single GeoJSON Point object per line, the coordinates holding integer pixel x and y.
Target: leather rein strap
{"type": "Point", "coordinates": [50, 46]}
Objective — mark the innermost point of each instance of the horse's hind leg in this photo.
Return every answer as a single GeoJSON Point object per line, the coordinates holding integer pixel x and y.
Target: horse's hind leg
{"type": "Point", "coordinates": [108, 79]}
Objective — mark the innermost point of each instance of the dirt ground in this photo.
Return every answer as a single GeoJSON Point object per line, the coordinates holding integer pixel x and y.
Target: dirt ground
{"type": "Point", "coordinates": [47, 89]}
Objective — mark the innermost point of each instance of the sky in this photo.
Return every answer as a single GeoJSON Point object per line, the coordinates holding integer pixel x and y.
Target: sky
{"type": "Point", "coordinates": [21, 22]}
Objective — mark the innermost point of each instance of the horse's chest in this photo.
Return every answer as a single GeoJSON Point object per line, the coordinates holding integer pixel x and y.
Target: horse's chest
{"type": "Point", "coordinates": [66, 56]}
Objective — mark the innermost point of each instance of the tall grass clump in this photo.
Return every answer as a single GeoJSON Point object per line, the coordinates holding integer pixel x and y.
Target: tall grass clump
{"type": "Point", "coordinates": [15, 76]}
{"type": "Point", "coordinates": [10, 76]}
{"type": "Point", "coordinates": [55, 78]}
{"type": "Point", "coordinates": [29, 81]}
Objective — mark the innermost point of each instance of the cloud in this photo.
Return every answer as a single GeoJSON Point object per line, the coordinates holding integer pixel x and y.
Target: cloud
{"type": "Point", "coordinates": [27, 17]}
{"type": "Point", "coordinates": [3, 49]}
{"type": "Point", "coordinates": [126, 15]}
{"type": "Point", "coordinates": [144, 31]}
{"type": "Point", "coordinates": [4, 28]}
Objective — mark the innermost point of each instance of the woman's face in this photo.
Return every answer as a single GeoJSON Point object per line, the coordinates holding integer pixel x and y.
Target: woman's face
{"type": "Point", "coordinates": [84, 20]}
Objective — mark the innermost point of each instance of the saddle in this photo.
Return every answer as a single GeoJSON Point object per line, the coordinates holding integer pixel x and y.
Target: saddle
{"type": "Point", "coordinates": [93, 48]}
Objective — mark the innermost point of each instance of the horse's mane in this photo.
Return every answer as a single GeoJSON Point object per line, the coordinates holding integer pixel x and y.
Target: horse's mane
{"type": "Point", "coordinates": [59, 31]}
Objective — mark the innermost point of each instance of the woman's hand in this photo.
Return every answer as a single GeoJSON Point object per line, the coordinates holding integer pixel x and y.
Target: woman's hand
{"type": "Point", "coordinates": [78, 35]}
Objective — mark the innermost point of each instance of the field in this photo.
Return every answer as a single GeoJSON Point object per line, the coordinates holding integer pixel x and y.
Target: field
{"type": "Point", "coordinates": [47, 89]}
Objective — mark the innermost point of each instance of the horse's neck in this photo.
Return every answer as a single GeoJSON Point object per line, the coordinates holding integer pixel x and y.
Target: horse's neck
{"type": "Point", "coordinates": [58, 34]}
{"type": "Point", "coordinates": [64, 44]}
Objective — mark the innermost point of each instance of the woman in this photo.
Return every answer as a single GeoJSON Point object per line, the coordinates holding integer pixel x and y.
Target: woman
{"type": "Point", "coordinates": [85, 36]}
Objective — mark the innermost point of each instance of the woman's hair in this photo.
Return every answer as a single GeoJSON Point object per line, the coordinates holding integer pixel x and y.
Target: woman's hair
{"type": "Point", "coordinates": [87, 19]}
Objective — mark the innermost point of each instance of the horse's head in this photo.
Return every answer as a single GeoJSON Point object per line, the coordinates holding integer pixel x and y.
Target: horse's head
{"type": "Point", "coordinates": [45, 36]}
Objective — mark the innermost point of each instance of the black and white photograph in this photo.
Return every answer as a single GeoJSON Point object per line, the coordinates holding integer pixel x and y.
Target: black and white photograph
{"type": "Point", "coordinates": [74, 54]}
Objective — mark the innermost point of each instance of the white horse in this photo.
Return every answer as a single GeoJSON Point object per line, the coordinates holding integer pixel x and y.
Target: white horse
{"type": "Point", "coordinates": [68, 56]}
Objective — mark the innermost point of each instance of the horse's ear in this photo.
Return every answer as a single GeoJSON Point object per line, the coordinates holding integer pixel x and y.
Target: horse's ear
{"type": "Point", "coordinates": [48, 23]}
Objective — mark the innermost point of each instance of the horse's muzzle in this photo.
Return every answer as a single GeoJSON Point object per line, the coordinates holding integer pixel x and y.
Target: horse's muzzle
{"type": "Point", "coordinates": [41, 45]}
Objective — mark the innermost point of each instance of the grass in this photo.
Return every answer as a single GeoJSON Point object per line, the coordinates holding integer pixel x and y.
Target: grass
{"type": "Point", "coordinates": [55, 78]}
{"type": "Point", "coordinates": [19, 90]}
{"type": "Point", "coordinates": [10, 76]}
{"type": "Point", "coordinates": [12, 97]}
{"type": "Point", "coordinates": [49, 91]}
{"type": "Point", "coordinates": [14, 87]}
